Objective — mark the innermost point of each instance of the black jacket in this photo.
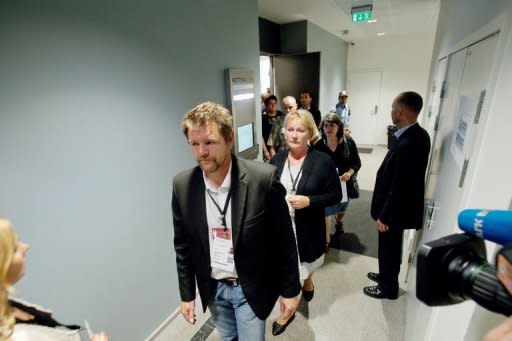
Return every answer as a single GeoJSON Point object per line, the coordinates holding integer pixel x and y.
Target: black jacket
{"type": "Point", "coordinates": [265, 251]}
{"type": "Point", "coordinates": [319, 181]}
{"type": "Point", "coordinates": [400, 184]}
{"type": "Point", "coordinates": [345, 156]}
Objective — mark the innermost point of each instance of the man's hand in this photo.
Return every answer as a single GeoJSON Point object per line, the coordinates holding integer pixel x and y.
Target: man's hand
{"type": "Point", "coordinates": [381, 226]}
{"type": "Point", "coordinates": [298, 201]}
{"type": "Point", "coordinates": [99, 337]}
{"type": "Point", "coordinates": [288, 306]}
{"type": "Point", "coordinates": [502, 332]}
{"type": "Point", "coordinates": [187, 309]}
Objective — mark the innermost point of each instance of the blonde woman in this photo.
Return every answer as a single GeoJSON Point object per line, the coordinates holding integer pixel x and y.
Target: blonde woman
{"type": "Point", "coordinates": [21, 321]}
{"type": "Point", "coordinates": [311, 181]}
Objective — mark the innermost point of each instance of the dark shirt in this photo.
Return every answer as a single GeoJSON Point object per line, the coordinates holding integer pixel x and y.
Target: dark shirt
{"type": "Point", "coordinates": [266, 124]}
{"type": "Point", "coordinates": [317, 116]}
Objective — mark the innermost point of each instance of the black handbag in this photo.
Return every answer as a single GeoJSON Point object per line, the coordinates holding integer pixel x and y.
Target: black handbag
{"type": "Point", "coordinates": [353, 188]}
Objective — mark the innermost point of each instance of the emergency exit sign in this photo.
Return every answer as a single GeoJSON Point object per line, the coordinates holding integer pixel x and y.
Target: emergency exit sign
{"type": "Point", "coordinates": [361, 13]}
{"type": "Point", "coordinates": [361, 16]}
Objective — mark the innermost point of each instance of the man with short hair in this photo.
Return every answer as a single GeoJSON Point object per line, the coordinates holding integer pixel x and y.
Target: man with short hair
{"type": "Point", "coordinates": [269, 118]}
{"type": "Point", "coordinates": [343, 110]}
{"type": "Point", "coordinates": [232, 232]}
{"type": "Point", "coordinates": [305, 103]}
{"type": "Point", "coordinates": [289, 104]}
{"type": "Point", "coordinates": [397, 202]}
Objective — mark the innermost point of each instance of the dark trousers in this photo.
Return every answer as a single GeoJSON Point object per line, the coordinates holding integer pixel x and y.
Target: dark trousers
{"type": "Point", "coordinates": [390, 256]}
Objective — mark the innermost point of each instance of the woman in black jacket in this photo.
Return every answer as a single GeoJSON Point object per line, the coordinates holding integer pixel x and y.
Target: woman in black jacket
{"type": "Point", "coordinates": [343, 151]}
{"type": "Point", "coordinates": [312, 183]}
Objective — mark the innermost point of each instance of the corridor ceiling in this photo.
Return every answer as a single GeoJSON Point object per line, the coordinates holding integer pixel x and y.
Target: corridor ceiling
{"type": "Point", "coordinates": [394, 17]}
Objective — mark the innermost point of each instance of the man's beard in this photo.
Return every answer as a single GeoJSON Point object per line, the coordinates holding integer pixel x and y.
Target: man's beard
{"type": "Point", "coordinates": [212, 166]}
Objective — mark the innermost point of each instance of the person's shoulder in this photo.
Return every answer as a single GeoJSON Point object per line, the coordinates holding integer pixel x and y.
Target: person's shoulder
{"type": "Point", "coordinates": [318, 155]}
{"type": "Point", "coordinates": [185, 175]}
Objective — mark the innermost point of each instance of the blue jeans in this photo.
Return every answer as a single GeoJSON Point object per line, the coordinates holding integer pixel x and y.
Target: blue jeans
{"type": "Point", "coordinates": [233, 316]}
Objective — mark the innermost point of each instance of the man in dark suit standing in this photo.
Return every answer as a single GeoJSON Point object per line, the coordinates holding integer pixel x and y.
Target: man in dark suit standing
{"type": "Point", "coordinates": [232, 232]}
{"type": "Point", "coordinates": [305, 103]}
{"type": "Point", "coordinates": [397, 202]}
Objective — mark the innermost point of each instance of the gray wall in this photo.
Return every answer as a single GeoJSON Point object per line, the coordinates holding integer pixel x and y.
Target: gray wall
{"type": "Point", "coordinates": [91, 97]}
{"type": "Point", "coordinates": [333, 64]}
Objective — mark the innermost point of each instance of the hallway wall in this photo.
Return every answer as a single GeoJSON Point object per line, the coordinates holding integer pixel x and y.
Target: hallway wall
{"type": "Point", "coordinates": [333, 64]}
{"type": "Point", "coordinates": [462, 23]}
{"type": "Point", "coordinates": [403, 63]}
{"type": "Point", "coordinates": [92, 94]}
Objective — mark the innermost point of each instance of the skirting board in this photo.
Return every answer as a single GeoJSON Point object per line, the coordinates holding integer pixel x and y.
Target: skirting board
{"type": "Point", "coordinates": [176, 328]}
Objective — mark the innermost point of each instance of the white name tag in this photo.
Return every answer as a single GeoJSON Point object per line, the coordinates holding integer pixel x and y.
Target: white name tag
{"type": "Point", "coordinates": [223, 253]}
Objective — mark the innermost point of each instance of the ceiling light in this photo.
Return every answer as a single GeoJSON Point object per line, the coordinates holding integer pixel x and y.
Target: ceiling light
{"type": "Point", "coordinates": [380, 34]}
{"type": "Point", "coordinates": [372, 21]}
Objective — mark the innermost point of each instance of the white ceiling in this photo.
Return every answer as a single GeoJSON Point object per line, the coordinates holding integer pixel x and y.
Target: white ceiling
{"type": "Point", "coordinates": [394, 17]}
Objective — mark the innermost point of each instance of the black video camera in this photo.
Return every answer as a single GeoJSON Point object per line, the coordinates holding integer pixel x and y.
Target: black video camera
{"type": "Point", "coordinates": [454, 268]}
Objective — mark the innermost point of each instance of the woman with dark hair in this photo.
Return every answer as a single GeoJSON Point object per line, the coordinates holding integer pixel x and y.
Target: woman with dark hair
{"type": "Point", "coordinates": [343, 151]}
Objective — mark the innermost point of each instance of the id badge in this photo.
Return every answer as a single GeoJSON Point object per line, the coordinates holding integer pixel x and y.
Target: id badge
{"type": "Point", "coordinates": [290, 208]}
{"type": "Point", "coordinates": [223, 253]}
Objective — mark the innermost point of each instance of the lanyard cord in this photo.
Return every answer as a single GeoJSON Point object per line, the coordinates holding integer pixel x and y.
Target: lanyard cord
{"type": "Point", "coordinates": [222, 212]}
{"type": "Point", "coordinates": [294, 181]}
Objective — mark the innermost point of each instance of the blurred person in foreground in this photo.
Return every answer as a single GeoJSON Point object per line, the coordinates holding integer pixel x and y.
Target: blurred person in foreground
{"type": "Point", "coordinates": [20, 320]}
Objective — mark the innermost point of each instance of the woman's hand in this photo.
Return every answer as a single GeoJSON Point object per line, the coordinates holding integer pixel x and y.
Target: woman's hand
{"type": "Point", "coordinates": [346, 176]}
{"type": "Point", "coordinates": [298, 201]}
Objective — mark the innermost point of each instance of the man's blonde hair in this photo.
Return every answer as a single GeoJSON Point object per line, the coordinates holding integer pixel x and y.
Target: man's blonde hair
{"type": "Point", "coordinates": [206, 113]}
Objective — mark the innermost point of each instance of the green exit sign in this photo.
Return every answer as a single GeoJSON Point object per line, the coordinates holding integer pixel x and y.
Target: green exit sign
{"type": "Point", "coordinates": [361, 16]}
{"type": "Point", "coordinates": [361, 13]}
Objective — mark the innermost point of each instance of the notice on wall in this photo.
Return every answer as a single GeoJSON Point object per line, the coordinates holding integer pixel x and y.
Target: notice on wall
{"type": "Point", "coordinates": [462, 131]}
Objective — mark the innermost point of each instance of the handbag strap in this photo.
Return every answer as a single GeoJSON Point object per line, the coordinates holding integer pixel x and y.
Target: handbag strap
{"type": "Point", "coordinates": [42, 316]}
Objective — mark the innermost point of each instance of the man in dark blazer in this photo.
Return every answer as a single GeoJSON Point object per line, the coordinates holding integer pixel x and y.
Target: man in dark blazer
{"type": "Point", "coordinates": [305, 103]}
{"type": "Point", "coordinates": [232, 232]}
{"type": "Point", "coordinates": [397, 202]}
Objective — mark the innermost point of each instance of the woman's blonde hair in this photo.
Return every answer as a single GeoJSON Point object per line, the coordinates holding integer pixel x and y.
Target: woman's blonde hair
{"type": "Point", "coordinates": [306, 118]}
{"type": "Point", "coordinates": [8, 241]}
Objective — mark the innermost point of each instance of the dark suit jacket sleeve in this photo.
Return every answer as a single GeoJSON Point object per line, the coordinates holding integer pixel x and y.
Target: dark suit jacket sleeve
{"type": "Point", "coordinates": [331, 192]}
{"type": "Point", "coordinates": [405, 169]}
{"type": "Point", "coordinates": [182, 245]}
{"type": "Point", "coordinates": [286, 248]}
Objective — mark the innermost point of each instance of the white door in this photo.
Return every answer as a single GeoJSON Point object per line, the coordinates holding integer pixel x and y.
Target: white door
{"type": "Point", "coordinates": [468, 74]}
{"type": "Point", "coordinates": [364, 92]}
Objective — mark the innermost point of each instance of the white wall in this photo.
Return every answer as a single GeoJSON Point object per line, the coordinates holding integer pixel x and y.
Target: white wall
{"type": "Point", "coordinates": [91, 97]}
{"type": "Point", "coordinates": [333, 61]}
{"type": "Point", "coordinates": [461, 23]}
{"type": "Point", "coordinates": [403, 61]}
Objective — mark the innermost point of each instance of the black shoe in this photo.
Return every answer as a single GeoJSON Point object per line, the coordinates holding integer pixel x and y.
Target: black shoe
{"type": "Point", "coordinates": [308, 295]}
{"type": "Point", "coordinates": [373, 276]}
{"type": "Point", "coordinates": [280, 328]}
{"type": "Point", "coordinates": [376, 292]}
